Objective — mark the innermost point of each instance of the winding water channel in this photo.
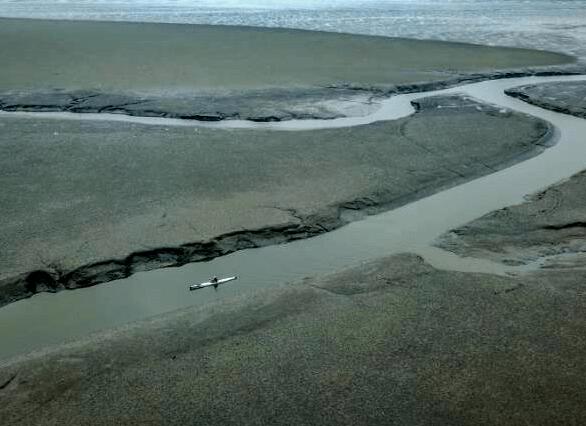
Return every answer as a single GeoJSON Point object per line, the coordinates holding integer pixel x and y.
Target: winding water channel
{"type": "Point", "coordinates": [48, 319]}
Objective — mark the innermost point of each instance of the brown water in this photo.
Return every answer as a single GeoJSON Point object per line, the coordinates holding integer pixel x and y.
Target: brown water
{"type": "Point", "coordinates": [48, 319]}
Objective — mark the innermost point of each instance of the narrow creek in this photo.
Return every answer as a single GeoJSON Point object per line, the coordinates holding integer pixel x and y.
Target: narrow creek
{"type": "Point", "coordinates": [48, 319]}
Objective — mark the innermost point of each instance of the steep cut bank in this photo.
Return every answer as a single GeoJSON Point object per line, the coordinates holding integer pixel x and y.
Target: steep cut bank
{"type": "Point", "coordinates": [96, 208]}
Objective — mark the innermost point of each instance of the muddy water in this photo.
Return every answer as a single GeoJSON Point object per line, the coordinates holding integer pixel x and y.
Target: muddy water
{"type": "Point", "coordinates": [48, 319]}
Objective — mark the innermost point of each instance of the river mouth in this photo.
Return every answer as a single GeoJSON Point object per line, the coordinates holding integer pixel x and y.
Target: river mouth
{"type": "Point", "coordinates": [52, 319]}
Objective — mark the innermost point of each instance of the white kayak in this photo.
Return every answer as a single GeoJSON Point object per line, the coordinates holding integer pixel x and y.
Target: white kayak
{"type": "Point", "coordinates": [212, 283]}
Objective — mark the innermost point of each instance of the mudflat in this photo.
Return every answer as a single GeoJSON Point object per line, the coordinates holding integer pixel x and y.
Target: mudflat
{"type": "Point", "coordinates": [564, 97]}
{"type": "Point", "coordinates": [167, 58]}
{"type": "Point", "coordinates": [549, 230]}
{"type": "Point", "coordinates": [89, 202]}
{"type": "Point", "coordinates": [392, 342]}
{"type": "Point", "coordinates": [86, 202]}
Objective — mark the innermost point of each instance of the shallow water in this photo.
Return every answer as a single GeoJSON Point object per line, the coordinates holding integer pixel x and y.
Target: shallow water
{"type": "Point", "coordinates": [54, 318]}
{"type": "Point", "coordinates": [558, 25]}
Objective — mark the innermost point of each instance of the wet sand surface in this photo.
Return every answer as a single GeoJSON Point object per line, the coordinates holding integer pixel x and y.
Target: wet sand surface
{"type": "Point", "coordinates": [564, 97]}
{"type": "Point", "coordinates": [391, 342]}
{"type": "Point", "coordinates": [111, 197]}
{"type": "Point", "coordinates": [172, 59]}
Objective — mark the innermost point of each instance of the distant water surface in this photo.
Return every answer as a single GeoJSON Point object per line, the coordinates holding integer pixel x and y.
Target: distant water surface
{"type": "Point", "coordinates": [558, 25]}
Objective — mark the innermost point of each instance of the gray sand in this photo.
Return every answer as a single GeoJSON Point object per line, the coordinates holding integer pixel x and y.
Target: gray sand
{"type": "Point", "coordinates": [565, 97]}
{"type": "Point", "coordinates": [548, 230]}
{"type": "Point", "coordinates": [77, 193]}
{"type": "Point", "coordinates": [394, 342]}
{"type": "Point", "coordinates": [178, 59]}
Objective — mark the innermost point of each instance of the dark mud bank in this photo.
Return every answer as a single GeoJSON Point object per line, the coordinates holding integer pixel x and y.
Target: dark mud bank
{"type": "Point", "coordinates": [551, 71]}
{"type": "Point", "coordinates": [54, 280]}
{"type": "Point", "coordinates": [267, 105]}
{"type": "Point", "coordinates": [258, 106]}
{"type": "Point", "coordinates": [548, 230]}
{"type": "Point", "coordinates": [564, 97]}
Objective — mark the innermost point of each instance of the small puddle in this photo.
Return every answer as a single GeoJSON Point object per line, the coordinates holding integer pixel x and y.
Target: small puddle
{"type": "Point", "coordinates": [48, 319]}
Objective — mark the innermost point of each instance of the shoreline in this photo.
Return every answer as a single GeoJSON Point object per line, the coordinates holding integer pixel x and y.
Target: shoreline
{"type": "Point", "coordinates": [566, 98]}
{"type": "Point", "coordinates": [380, 326]}
{"type": "Point", "coordinates": [396, 340]}
{"type": "Point", "coordinates": [253, 105]}
{"type": "Point", "coordinates": [289, 222]}
{"type": "Point", "coordinates": [300, 226]}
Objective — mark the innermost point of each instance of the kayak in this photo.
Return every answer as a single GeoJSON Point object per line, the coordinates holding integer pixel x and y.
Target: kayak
{"type": "Point", "coordinates": [211, 283]}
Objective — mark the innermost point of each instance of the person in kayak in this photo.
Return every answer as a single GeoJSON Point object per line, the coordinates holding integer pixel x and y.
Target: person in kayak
{"type": "Point", "coordinates": [214, 281]}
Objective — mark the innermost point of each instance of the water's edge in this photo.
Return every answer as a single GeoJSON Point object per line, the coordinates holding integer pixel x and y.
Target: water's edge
{"type": "Point", "coordinates": [119, 107]}
{"type": "Point", "coordinates": [53, 319]}
{"type": "Point", "coordinates": [52, 280]}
